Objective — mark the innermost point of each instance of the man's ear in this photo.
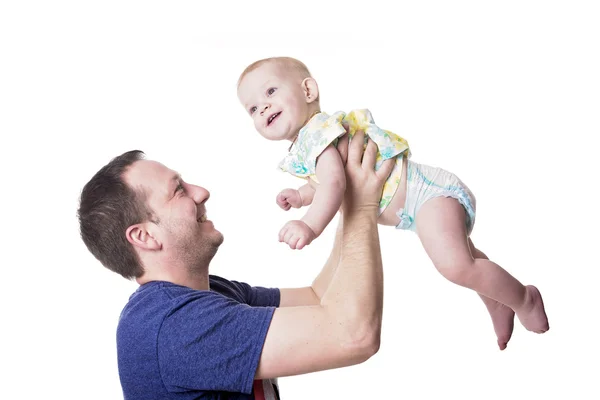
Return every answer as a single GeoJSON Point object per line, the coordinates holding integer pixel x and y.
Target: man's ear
{"type": "Point", "coordinates": [140, 236]}
{"type": "Point", "coordinates": [310, 89]}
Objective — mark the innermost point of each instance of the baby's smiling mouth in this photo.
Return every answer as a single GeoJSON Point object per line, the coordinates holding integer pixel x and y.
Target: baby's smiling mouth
{"type": "Point", "coordinates": [272, 118]}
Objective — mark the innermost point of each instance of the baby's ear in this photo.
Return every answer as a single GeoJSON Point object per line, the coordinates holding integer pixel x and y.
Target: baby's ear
{"type": "Point", "coordinates": [310, 89]}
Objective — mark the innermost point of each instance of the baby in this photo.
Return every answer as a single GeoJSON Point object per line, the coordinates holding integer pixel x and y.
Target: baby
{"type": "Point", "coordinates": [282, 98]}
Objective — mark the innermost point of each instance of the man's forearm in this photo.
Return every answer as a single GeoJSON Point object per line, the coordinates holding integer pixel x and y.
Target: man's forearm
{"type": "Point", "coordinates": [355, 292]}
{"type": "Point", "coordinates": [322, 281]}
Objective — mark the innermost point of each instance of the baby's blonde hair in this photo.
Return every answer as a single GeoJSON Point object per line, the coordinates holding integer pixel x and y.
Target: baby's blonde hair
{"type": "Point", "coordinates": [288, 62]}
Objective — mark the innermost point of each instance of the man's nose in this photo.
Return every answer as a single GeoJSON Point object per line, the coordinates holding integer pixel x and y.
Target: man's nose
{"type": "Point", "coordinates": [200, 195]}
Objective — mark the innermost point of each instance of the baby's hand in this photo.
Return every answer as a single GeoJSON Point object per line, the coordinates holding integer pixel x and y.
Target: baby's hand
{"type": "Point", "coordinates": [288, 198]}
{"type": "Point", "coordinates": [296, 234]}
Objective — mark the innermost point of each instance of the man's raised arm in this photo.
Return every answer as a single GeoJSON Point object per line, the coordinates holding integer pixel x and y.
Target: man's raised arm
{"type": "Point", "coordinates": [344, 329]}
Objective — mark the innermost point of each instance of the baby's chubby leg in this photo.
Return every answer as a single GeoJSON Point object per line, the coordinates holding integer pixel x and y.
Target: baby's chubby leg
{"type": "Point", "coordinates": [441, 228]}
{"type": "Point", "coordinates": [503, 317]}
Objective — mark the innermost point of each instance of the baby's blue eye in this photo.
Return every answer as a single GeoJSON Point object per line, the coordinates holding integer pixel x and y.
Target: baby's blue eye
{"type": "Point", "coordinates": [252, 110]}
{"type": "Point", "coordinates": [271, 91]}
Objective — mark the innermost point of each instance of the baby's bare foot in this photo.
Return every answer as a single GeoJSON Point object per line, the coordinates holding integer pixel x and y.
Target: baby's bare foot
{"type": "Point", "coordinates": [503, 318]}
{"type": "Point", "coordinates": [532, 314]}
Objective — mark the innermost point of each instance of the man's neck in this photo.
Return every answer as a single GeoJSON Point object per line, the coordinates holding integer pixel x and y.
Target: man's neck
{"type": "Point", "coordinates": [198, 282]}
{"type": "Point", "coordinates": [194, 279]}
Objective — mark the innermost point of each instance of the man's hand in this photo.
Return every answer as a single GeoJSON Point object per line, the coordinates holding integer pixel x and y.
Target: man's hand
{"type": "Point", "coordinates": [288, 198]}
{"type": "Point", "coordinates": [342, 145]}
{"type": "Point", "coordinates": [363, 183]}
{"type": "Point", "coordinates": [296, 234]}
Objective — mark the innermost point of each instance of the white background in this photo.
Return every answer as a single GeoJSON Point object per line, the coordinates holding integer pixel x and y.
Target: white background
{"type": "Point", "coordinates": [504, 94]}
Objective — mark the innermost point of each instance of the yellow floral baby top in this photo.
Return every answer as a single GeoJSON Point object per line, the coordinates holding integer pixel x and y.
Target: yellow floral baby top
{"type": "Point", "coordinates": [323, 130]}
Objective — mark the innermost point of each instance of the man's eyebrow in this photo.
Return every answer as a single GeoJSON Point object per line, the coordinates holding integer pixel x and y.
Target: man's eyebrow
{"type": "Point", "coordinates": [175, 178]}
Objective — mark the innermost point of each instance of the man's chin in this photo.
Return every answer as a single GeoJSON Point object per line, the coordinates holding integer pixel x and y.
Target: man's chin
{"type": "Point", "coordinates": [218, 239]}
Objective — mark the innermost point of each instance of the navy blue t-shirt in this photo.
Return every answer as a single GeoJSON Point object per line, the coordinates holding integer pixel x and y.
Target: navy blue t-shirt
{"type": "Point", "coordinates": [174, 342]}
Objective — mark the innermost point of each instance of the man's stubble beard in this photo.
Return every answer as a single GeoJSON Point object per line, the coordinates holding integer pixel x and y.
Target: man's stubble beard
{"type": "Point", "coordinates": [197, 253]}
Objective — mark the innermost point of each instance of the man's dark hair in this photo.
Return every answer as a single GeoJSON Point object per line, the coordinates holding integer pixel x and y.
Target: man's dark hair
{"type": "Point", "coordinates": [107, 207]}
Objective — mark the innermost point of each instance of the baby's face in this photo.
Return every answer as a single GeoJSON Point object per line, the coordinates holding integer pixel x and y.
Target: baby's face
{"type": "Point", "coordinates": [274, 98]}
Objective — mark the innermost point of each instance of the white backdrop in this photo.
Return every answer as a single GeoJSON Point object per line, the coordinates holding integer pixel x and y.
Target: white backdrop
{"type": "Point", "coordinates": [504, 94]}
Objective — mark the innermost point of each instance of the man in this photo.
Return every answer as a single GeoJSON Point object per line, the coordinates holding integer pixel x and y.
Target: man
{"type": "Point", "coordinates": [185, 334]}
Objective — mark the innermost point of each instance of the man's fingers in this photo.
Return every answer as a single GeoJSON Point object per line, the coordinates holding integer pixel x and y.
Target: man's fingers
{"type": "Point", "coordinates": [342, 147]}
{"type": "Point", "coordinates": [355, 148]}
{"type": "Point", "coordinates": [370, 155]}
{"type": "Point", "coordinates": [386, 168]}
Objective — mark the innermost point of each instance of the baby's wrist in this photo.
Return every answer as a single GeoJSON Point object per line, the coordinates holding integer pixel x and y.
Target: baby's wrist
{"type": "Point", "coordinates": [315, 229]}
{"type": "Point", "coordinates": [301, 198]}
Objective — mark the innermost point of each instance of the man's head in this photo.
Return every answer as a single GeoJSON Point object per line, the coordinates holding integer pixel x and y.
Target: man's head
{"type": "Point", "coordinates": [280, 95]}
{"type": "Point", "coordinates": [141, 220]}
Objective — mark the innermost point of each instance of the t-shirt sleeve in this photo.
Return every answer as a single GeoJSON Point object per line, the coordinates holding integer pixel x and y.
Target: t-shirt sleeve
{"type": "Point", "coordinates": [211, 342]}
{"type": "Point", "coordinates": [259, 296]}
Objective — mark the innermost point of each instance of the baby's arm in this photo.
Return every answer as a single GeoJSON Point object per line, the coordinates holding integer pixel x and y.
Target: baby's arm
{"type": "Point", "coordinates": [330, 192]}
{"type": "Point", "coordinates": [302, 197]}
{"type": "Point", "coordinates": [326, 202]}
{"type": "Point", "coordinates": [307, 194]}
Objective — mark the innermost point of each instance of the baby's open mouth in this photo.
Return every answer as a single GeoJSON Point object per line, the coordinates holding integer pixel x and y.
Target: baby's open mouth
{"type": "Point", "coordinates": [272, 118]}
